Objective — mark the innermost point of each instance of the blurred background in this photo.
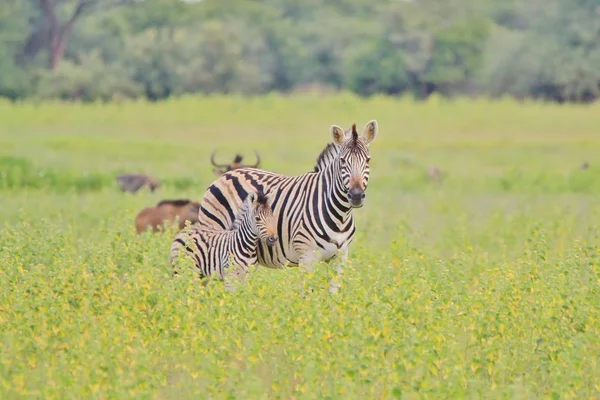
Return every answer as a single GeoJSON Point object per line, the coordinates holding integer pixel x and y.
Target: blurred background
{"type": "Point", "coordinates": [475, 268]}
{"type": "Point", "coordinates": [106, 50]}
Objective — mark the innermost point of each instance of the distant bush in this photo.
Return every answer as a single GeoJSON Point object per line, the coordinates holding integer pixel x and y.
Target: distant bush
{"type": "Point", "coordinates": [157, 49]}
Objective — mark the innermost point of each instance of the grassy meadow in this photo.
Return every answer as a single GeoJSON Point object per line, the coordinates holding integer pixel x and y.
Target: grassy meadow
{"type": "Point", "coordinates": [483, 285]}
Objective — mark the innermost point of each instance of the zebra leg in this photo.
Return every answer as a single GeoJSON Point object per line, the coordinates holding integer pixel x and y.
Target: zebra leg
{"type": "Point", "coordinates": [228, 282]}
{"type": "Point", "coordinates": [339, 262]}
{"type": "Point", "coordinates": [342, 260]}
{"type": "Point", "coordinates": [239, 273]}
{"type": "Point", "coordinates": [307, 261]}
{"type": "Point", "coordinates": [307, 256]}
{"type": "Point", "coordinates": [236, 275]}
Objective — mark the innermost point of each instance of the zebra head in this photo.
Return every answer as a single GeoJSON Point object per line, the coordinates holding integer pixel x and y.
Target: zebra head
{"type": "Point", "coordinates": [353, 160]}
{"type": "Point", "coordinates": [266, 223]}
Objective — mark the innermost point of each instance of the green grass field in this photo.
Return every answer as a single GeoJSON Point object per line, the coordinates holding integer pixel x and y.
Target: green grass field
{"type": "Point", "coordinates": [484, 286]}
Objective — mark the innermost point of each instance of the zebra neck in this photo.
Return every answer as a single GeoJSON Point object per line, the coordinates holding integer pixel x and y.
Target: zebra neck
{"type": "Point", "coordinates": [336, 198]}
{"type": "Point", "coordinates": [246, 234]}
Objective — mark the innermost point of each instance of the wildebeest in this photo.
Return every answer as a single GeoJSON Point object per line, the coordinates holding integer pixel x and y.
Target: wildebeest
{"type": "Point", "coordinates": [133, 182]}
{"type": "Point", "coordinates": [167, 211]}
{"type": "Point", "coordinates": [585, 165]}
{"type": "Point", "coordinates": [220, 169]}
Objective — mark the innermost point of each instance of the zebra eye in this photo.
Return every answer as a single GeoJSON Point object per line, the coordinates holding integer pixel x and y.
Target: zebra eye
{"type": "Point", "coordinates": [343, 160]}
{"type": "Point", "coordinates": [368, 159]}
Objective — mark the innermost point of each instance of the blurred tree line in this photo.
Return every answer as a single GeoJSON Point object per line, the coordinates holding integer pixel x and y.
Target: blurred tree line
{"type": "Point", "coordinates": [113, 49]}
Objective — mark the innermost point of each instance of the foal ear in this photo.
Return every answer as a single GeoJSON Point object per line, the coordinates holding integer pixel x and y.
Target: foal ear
{"type": "Point", "coordinates": [370, 131]}
{"type": "Point", "coordinates": [252, 196]}
{"type": "Point", "coordinates": [337, 134]}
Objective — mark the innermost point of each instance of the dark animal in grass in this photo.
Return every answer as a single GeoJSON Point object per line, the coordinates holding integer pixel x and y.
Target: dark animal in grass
{"type": "Point", "coordinates": [585, 165]}
{"type": "Point", "coordinates": [168, 211]}
{"type": "Point", "coordinates": [133, 182]}
{"type": "Point", "coordinates": [220, 169]}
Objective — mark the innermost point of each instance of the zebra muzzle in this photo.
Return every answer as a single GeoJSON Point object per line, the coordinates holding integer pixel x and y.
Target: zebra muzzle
{"type": "Point", "coordinates": [356, 197]}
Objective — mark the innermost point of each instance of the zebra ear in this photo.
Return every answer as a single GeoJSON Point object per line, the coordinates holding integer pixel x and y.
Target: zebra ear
{"type": "Point", "coordinates": [337, 134]}
{"type": "Point", "coordinates": [252, 197]}
{"type": "Point", "coordinates": [370, 131]}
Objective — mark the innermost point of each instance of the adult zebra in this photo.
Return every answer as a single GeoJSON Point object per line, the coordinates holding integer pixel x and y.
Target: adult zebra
{"type": "Point", "coordinates": [313, 210]}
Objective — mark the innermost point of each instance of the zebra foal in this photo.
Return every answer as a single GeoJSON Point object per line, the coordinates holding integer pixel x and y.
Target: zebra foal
{"type": "Point", "coordinates": [212, 251]}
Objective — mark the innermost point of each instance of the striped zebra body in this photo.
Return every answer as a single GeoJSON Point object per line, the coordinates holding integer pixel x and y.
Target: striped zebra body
{"type": "Point", "coordinates": [313, 210]}
{"type": "Point", "coordinates": [213, 251]}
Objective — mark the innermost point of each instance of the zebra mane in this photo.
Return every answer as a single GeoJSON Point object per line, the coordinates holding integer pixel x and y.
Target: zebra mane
{"type": "Point", "coordinates": [332, 150]}
{"type": "Point", "coordinates": [244, 210]}
{"type": "Point", "coordinates": [354, 135]}
{"type": "Point", "coordinates": [262, 198]}
{"type": "Point", "coordinates": [326, 156]}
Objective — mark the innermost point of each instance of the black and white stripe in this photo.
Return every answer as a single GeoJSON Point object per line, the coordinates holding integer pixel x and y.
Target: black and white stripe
{"type": "Point", "coordinates": [313, 210]}
{"type": "Point", "coordinates": [212, 251]}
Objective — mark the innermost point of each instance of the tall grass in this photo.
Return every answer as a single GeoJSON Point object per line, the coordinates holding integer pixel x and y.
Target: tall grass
{"type": "Point", "coordinates": [483, 285]}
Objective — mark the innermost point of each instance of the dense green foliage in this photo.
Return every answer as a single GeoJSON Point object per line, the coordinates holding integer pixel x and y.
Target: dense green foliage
{"type": "Point", "coordinates": [155, 49]}
{"type": "Point", "coordinates": [483, 285]}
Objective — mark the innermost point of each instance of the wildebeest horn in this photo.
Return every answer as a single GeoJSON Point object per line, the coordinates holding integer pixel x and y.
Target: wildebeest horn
{"type": "Point", "coordinates": [212, 160]}
{"type": "Point", "coordinates": [257, 160]}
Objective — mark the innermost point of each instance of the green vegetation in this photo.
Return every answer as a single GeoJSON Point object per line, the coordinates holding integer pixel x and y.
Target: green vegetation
{"type": "Point", "coordinates": [103, 50]}
{"type": "Point", "coordinates": [483, 285]}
